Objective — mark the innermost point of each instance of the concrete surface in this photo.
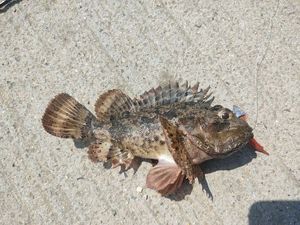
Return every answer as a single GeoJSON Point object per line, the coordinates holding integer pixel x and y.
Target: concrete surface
{"type": "Point", "coordinates": [248, 51]}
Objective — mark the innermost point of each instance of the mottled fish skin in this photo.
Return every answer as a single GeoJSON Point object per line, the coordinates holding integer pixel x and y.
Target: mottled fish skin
{"type": "Point", "coordinates": [174, 124]}
{"type": "Point", "coordinates": [141, 133]}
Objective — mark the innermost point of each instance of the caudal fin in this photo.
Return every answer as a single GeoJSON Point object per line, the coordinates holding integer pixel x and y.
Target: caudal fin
{"type": "Point", "coordinates": [66, 118]}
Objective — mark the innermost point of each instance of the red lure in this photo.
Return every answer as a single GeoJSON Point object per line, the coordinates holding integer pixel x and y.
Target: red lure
{"type": "Point", "coordinates": [253, 143]}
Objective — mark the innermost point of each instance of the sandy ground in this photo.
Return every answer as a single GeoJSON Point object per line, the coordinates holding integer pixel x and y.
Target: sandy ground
{"type": "Point", "coordinates": [248, 51]}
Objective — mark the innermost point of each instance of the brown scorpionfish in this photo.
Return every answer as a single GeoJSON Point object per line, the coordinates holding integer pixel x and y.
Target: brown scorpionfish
{"type": "Point", "coordinates": [174, 124]}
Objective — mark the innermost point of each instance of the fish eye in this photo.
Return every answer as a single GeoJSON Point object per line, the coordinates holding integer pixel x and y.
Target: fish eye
{"type": "Point", "coordinates": [225, 115]}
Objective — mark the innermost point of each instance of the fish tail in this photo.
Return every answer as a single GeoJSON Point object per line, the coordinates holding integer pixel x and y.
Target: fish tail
{"type": "Point", "coordinates": [65, 117]}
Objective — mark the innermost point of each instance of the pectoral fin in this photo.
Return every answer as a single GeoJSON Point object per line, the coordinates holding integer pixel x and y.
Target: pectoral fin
{"type": "Point", "coordinates": [178, 144]}
{"type": "Point", "coordinates": [165, 178]}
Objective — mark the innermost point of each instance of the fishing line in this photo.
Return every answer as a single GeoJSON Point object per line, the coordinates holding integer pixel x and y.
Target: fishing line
{"type": "Point", "coordinates": [256, 92]}
{"type": "Point", "coordinates": [258, 68]}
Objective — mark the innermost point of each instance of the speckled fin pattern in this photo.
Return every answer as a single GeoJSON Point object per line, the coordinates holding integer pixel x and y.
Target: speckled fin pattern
{"type": "Point", "coordinates": [176, 140]}
{"type": "Point", "coordinates": [114, 103]}
{"type": "Point", "coordinates": [172, 93]}
{"type": "Point", "coordinates": [67, 118]}
{"type": "Point", "coordinates": [105, 151]}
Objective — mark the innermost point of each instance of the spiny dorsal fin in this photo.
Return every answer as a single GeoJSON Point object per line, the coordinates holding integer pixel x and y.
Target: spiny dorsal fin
{"type": "Point", "coordinates": [113, 103]}
{"type": "Point", "coordinates": [173, 93]}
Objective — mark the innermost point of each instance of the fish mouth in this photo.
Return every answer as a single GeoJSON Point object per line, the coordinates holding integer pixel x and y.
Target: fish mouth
{"type": "Point", "coordinates": [227, 153]}
{"type": "Point", "coordinates": [234, 146]}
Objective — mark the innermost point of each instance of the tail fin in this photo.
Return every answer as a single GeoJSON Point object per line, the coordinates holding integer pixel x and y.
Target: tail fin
{"type": "Point", "coordinates": [67, 118]}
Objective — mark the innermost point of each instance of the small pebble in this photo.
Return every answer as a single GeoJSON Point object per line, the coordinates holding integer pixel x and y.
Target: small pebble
{"type": "Point", "coordinates": [139, 189]}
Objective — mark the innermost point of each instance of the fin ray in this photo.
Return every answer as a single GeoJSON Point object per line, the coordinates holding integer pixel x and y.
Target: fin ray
{"type": "Point", "coordinates": [113, 103]}
{"type": "Point", "coordinates": [165, 178]}
{"type": "Point", "coordinates": [106, 151]}
{"type": "Point", "coordinates": [173, 93]}
{"type": "Point", "coordinates": [177, 144]}
{"type": "Point", "coordinates": [65, 117]}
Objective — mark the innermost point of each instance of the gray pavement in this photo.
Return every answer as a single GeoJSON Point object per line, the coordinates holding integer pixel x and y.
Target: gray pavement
{"type": "Point", "coordinates": [247, 51]}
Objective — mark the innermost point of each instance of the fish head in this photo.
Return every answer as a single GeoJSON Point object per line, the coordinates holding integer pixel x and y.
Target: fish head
{"type": "Point", "coordinates": [219, 132]}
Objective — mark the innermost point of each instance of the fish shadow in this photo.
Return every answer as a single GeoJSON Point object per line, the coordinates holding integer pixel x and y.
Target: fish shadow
{"type": "Point", "coordinates": [238, 159]}
{"type": "Point", "coordinates": [81, 143]}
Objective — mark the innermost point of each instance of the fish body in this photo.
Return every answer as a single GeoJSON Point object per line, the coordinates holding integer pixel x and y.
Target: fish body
{"type": "Point", "coordinates": [174, 124]}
